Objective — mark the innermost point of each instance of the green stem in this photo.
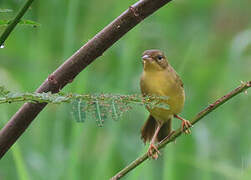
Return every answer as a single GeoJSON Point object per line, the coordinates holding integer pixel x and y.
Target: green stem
{"type": "Point", "coordinates": [178, 132]}
{"type": "Point", "coordinates": [14, 22]}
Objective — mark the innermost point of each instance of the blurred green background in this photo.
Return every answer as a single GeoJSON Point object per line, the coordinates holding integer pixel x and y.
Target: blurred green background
{"type": "Point", "coordinates": [207, 42]}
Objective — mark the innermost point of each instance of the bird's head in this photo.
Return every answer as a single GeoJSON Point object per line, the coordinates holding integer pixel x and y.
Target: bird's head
{"type": "Point", "coordinates": [154, 60]}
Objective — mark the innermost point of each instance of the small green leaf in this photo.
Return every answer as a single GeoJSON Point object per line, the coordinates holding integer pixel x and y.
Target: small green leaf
{"type": "Point", "coordinates": [78, 110]}
{"type": "Point", "coordinates": [59, 99]}
{"type": "Point", "coordinates": [5, 10]}
{"type": "Point", "coordinates": [115, 115]}
{"type": "Point", "coordinates": [29, 22]}
{"type": "Point", "coordinates": [99, 119]}
{"type": "Point", "coordinates": [22, 22]}
{"type": "Point", "coordinates": [4, 22]}
{"type": "Point", "coordinates": [3, 91]}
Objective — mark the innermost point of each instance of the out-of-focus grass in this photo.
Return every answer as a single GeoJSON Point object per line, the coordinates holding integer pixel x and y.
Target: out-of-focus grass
{"type": "Point", "coordinates": [22, 171]}
{"type": "Point", "coordinates": [207, 43]}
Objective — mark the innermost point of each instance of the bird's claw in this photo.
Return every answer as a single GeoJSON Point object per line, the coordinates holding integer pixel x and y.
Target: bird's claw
{"type": "Point", "coordinates": [153, 151]}
{"type": "Point", "coordinates": [186, 124]}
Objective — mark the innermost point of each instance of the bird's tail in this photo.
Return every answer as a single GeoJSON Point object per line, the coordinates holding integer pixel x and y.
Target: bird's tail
{"type": "Point", "coordinates": [148, 129]}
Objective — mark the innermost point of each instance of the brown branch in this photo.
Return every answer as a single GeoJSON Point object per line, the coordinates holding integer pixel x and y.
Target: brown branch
{"type": "Point", "coordinates": [178, 132]}
{"type": "Point", "coordinates": [75, 64]}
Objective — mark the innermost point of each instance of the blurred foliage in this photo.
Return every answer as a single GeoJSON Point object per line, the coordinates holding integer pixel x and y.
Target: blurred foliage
{"type": "Point", "coordinates": [207, 42]}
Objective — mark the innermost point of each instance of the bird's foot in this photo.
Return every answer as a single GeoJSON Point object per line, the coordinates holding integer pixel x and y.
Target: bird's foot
{"type": "Point", "coordinates": [153, 151]}
{"type": "Point", "coordinates": [185, 124]}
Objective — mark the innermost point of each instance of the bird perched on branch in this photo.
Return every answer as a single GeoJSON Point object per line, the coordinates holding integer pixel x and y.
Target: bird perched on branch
{"type": "Point", "coordinates": [160, 79]}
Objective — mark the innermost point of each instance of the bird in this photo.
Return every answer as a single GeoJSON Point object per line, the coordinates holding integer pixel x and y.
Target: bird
{"type": "Point", "coordinates": [160, 79]}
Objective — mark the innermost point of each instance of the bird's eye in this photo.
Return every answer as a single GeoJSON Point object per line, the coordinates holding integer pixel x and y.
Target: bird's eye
{"type": "Point", "coordinates": [159, 57]}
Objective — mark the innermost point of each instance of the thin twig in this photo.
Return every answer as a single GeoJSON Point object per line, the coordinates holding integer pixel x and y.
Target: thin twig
{"type": "Point", "coordinates": [178, 132]}
{"type": "Point", "coordinates": [14, 22]}
{"type": "Point", "coordinates": [75, 64]}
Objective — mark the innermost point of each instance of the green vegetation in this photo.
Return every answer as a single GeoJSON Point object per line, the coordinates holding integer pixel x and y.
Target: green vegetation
{"type": "Point", "coordinates": [102, 106]}
{"type": "Point", "coordinates": [207, 42]}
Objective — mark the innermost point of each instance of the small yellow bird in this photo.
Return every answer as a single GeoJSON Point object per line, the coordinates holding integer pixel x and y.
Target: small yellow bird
{"type": "Point", "coordinates": [160, 79]}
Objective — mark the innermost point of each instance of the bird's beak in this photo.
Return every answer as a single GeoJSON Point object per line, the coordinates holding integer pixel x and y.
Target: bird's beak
{"type": "Point", "coordinates": [146, 57]}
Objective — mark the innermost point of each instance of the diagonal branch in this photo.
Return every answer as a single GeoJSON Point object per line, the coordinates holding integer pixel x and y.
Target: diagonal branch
{"type": "Point", "coordinates": [14, 22]}
{"type": "Point", "coordinates": [75, 64]}
{"type": "Point", "coordinates": [178, 132]}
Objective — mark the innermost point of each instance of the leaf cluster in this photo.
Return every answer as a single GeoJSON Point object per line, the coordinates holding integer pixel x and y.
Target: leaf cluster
{"type": "Point", "coordinates": [97, 106]}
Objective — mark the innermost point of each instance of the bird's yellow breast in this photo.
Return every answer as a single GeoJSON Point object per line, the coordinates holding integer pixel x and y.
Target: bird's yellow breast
{"type": "Point", "coordinates": [164, 83]}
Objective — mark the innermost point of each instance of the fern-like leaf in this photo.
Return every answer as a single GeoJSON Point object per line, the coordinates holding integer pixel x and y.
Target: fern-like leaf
{"type": "Point", "coordinates": [98, 106]}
